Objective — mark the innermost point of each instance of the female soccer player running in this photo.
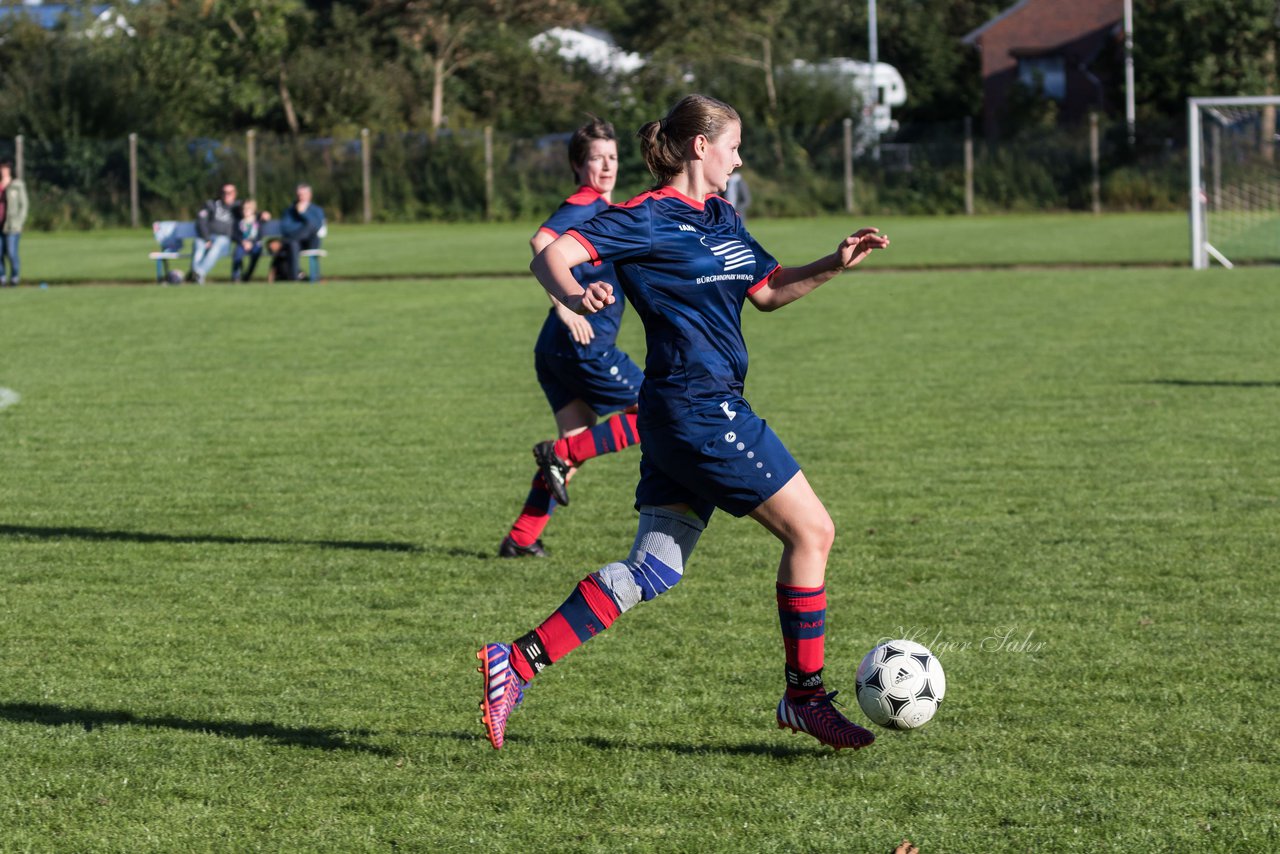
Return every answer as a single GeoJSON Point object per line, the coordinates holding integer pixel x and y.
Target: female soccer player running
{"type": "Point", "coordinates": [580, 369]}
{"type": "Point", "coordinates": [687, 265]}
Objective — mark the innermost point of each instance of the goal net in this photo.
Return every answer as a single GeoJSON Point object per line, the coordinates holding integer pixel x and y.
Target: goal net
{"type": "Point", "coordinates": [1234, 148]}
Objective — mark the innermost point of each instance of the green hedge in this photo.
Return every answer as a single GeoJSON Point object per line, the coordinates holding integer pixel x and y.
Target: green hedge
{"type": "Point", "coordinates": [414, 178]}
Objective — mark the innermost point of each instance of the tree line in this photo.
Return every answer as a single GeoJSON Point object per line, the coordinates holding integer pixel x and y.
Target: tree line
{"type": "Point", "coordinates": [197, 68]}
{"type": "Point", "coordinates": [191, 77]}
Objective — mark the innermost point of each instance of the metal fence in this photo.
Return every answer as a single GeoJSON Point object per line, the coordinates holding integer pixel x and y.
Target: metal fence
{"type": "Point", "coordinates": [485, 174]}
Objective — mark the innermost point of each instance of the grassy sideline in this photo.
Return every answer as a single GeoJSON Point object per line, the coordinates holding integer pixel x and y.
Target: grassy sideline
{"type": "Point", "coordinates": [438, 250]}
{"type": "Point", "coordinates": [246, 541]}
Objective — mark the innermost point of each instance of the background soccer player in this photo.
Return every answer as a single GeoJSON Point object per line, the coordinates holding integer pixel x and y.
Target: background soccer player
{"type": "Point", "coordinates": [687, 264]}
{"type": "Point", "coordinates": [582, 372]}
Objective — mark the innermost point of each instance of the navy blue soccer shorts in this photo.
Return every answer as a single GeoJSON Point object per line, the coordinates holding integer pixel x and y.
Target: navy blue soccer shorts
{"type": "Point", "coordinates": [607, 383]}
{"type": "Point", "coordinates": [723, 456]}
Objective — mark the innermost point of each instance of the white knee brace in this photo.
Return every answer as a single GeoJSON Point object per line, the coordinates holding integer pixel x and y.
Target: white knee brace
{"type": "Point", "coordinates": [663, 544]}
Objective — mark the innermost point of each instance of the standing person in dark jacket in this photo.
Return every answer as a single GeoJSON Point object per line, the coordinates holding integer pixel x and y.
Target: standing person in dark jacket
{"type": "Point", "coordinates": [300, 226]}
{"type": "Point", "coordinates": [215, 227]}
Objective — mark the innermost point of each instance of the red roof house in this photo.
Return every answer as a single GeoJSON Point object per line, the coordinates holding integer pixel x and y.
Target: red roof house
{"type": "Point", "coordinates": [1070, 51]}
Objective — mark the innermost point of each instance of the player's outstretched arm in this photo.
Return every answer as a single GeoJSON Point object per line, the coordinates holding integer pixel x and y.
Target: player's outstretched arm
{"type": "Point", "coordinates": [790, 283]}
{"type": "Point", "coordinates": [553, 268]}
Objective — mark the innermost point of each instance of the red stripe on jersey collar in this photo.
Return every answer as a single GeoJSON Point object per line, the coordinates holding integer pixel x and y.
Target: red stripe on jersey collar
{"type": "Point", "coordinates": [667, 192]}
{"type": "Point", "coordinates": [584, 195]}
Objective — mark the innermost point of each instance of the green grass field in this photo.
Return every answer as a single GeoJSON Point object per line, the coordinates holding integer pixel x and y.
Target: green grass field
{"type": "Point", "coordinates": [427, 250]}
{"type": "Point", "coordinates": [246, 541]}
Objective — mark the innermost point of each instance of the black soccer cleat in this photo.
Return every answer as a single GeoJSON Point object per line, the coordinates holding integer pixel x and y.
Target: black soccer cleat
{"type": "Point", "coordinates": [555, 471]}
{"type": "Point", "coordinates": [510, 549]}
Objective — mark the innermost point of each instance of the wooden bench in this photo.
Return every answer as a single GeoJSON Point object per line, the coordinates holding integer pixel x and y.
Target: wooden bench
{"type": "Point", "coordinates": [177, 241]}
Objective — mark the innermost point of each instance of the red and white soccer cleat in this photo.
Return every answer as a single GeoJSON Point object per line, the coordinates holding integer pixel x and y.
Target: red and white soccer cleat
{"type": "Point", "coordinates": [503, 690]}
{"type": "Point", "coordinates": [819, 718]}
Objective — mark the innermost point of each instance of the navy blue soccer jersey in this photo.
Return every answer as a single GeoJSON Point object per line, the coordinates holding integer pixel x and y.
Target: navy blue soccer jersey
{"type": "Point", "coordinates": [687, 266]}
{"type": "Point", "coordinates": [554, 339]}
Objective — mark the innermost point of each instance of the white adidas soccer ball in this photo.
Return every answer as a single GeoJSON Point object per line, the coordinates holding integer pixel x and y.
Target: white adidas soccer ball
{"type": "Point", "coordinates": [900, 684]}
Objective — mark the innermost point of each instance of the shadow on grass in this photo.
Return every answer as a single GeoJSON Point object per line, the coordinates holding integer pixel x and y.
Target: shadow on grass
{"type": "Point", "coordinates": [776, 751]}
{"type": "Point", "coordinates": [1216, 383]}
{"type": "Point", "coordinates": [312, 737]}
{"type": "Point", "coordinates": [99, 535]}
{"type": "Point", "coordinates": [609, 745]}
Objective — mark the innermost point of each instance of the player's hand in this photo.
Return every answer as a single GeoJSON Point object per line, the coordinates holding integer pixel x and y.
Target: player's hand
{"type": "Point", "coordinates": [595, 298]}
{"type": "Point", "coordinates": [859, 245]}
{"type": "Point", "coordinates": [580, 329]}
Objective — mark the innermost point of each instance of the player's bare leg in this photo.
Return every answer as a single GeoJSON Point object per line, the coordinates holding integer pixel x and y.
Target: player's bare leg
{"type": "Point", "coordinates": [796, 516]}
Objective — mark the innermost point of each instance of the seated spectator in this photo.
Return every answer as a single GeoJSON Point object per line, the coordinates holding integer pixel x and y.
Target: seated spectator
{"type": "Point", "coordinates": [215, 227]}
{"type": "Point", "coordinates": [300, 226]}
{"type": "Point", "coordinates": [248, 240]}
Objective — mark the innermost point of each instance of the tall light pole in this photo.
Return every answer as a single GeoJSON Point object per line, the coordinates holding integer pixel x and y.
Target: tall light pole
{"type": "Point", "coordinates": [1128, 72]}
{"type": "Point", "coordinates": [873, 39]}
{"type": "Point", "coordinates": [873, 91]}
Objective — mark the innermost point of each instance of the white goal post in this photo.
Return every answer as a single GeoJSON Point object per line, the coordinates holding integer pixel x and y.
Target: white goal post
{"type": "Point", "coordinates": [1234, 155]}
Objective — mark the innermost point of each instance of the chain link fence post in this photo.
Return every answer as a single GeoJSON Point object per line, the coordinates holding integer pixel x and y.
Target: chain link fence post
{"type": "Point", "coordinates": [133, 180]}
{"type": "Point", "coordinates": [366, 171]}
{"type": "Point", "coordinates": [488, 171]}
{"type": "Point", "coordinates": [968, 165]}
{"type": "Point", "coordinates": [1094, 160]}
{"type": "Point", "coordinates": [251, 162]}
{"type": "Point", "coordinates": [848, 166]}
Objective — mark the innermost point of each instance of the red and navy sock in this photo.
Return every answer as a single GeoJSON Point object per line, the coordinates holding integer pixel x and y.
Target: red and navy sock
{"type": "Point", "coordinates": [608, 437]}
{"type": "Point", "coordinates": [538, 507]}
{"type": "Point", "coordinates": [587, 612]}
{"type": "Point", "coordinates": [803, 613]}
